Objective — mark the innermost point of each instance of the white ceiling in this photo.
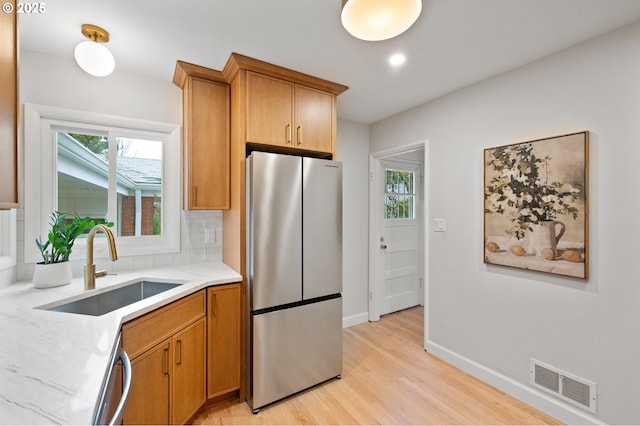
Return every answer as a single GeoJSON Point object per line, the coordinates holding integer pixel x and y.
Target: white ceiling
{"type": "Point", "coordinates": [453, 44]}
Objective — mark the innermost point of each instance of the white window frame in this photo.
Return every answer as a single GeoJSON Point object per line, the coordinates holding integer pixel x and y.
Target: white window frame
{"type": "Point", "coordinates": [41, 178]}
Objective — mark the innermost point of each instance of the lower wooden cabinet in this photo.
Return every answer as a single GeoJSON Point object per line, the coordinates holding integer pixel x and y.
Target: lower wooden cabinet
{"type": "Point", "coordinates": [183, 354]}
{"type": "Point", "coordinates": [148, 401]}
{"type": "Point", "coordinates": [168, 349]}
{"type": "Point", "coordinates": [223, 317]}
{"type": "Point", "coordinates": [189, 372]}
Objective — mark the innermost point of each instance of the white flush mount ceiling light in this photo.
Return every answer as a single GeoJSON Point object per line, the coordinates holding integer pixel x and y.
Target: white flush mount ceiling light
{"type": "Point", "coordinates": [375, 20]}
{"type": "Point", "coordinates": [92, 55]}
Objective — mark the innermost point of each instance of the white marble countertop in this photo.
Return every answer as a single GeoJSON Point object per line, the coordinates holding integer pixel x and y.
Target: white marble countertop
{"type": "Point", "coordinates": [52, 364]}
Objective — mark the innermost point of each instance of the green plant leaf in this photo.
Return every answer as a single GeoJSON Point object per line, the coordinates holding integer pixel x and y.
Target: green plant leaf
{"type": "Point", "coordinates": [62, 236]}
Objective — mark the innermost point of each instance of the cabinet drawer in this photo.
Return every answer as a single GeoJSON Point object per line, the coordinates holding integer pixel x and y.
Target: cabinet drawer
{"type": "Point", "coordinates": [142, 333]}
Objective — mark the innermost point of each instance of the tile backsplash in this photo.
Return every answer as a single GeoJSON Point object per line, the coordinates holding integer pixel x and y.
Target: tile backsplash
{"type": "Point", "coordinates": [193, 248]}
{"type": "Point", "coordinates": [7, 276]}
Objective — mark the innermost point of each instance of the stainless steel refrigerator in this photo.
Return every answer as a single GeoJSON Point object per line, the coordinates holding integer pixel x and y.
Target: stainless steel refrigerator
{"type": "Point", "coordinates": [294, 274]}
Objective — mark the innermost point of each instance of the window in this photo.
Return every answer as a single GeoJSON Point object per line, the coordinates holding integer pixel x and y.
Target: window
{"type": "Point", "coordinates": [84, 187]}
{"type": "Point", "coordinates": [399, 197]}
{"type": "Point", "coordinates": [108, 168]}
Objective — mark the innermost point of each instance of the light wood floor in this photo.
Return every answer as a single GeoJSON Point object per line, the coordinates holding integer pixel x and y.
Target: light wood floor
{"type": "Point", "coordinates": [388, 378]}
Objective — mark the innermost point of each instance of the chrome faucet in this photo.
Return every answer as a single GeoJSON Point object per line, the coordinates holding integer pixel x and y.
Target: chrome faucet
{"type": "Point", "coordinates": [90, 273]}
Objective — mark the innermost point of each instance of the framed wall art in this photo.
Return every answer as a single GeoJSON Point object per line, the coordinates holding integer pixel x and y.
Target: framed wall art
{"type": "Point", "coordinates": [536, 205]}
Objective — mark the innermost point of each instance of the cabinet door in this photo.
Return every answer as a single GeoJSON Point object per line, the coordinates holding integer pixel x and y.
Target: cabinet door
{"type": "Point", "coordinates": [224, 340]}
{"type": "Point", "coordinates": [314, 119]}
{"type": "Point", "coordinates": [207, 122]}
{"type": "Point", "coordinates": [148, 401]}
{"type": "Point", "coordinates": [8, 109]}
{"type": "Point", "coordinates": [269, 110]}
{"type": "Point", "coordinates": [189, 371]}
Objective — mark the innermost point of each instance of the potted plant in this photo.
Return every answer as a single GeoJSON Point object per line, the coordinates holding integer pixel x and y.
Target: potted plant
{"type": "Point", "coordinates": [55, 269]}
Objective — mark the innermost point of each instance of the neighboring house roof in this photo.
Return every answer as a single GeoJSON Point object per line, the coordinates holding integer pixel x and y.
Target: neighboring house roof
{"type": "Point", "coordinates": [141, 170]}
{"type": "Point", "coordinates": [132, 173]}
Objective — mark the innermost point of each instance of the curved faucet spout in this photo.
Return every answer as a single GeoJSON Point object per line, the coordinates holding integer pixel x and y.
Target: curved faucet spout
{"type": "Point", "coordinates": [112, 242]}
{"type": "Point", "coordinates": [89, 267]}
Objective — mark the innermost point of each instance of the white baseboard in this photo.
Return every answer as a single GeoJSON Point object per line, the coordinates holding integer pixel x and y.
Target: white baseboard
{"type": "Point", "coordinates": [527, 394]}
{"type": "Point", "coordinates": [352, 320]}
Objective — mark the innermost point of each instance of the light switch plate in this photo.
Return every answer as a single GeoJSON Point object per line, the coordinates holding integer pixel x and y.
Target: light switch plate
{"type": "Point", "coordinates": [439, 225]}
{"type": "Point", "coordinates": [209, 236]}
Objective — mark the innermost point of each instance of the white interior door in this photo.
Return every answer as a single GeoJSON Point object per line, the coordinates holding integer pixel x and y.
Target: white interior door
{"type": "Point", "coordinates": [399, 282]}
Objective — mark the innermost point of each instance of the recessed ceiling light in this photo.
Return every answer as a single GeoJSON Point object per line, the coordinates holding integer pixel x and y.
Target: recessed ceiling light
{"type": "Point", "coordinates": [397, 59]}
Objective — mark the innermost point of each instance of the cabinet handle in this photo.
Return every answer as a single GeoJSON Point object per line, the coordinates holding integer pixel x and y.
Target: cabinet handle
{"type": "Point", "coordinates": [299, 135]}
{"type": "Point", "coordinates": [288, 133]}
{"type": "Point", "coordinates": [166, 361]}
{"type": "Point", "coordinates": [179, 350]}
{"type": "Point", "coordinates": [215, 304]}
{"type": "Point", "coordinates": [195, 195]}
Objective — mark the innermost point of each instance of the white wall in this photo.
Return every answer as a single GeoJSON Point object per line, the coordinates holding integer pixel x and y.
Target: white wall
{"type": "Point", "coordinates": [353, 151]}
{"type": "Point", "coordinates": [53, 81]}
{"type": "Point", "coordinates": [490, 320]}
{"type": "Point", "coordinates": [50, 80]}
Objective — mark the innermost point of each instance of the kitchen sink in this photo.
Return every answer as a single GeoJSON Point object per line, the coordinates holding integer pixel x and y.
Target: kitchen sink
{"type": "Point", "coordinates": [112, 299]}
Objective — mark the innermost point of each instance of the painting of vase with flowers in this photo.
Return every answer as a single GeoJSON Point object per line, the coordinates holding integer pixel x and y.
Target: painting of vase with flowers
{"type": "Point", "coordinates": [536, 205]}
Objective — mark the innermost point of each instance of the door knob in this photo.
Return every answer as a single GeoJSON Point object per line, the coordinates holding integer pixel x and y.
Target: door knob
{"type": "Point", "coordinates": [383, 246]}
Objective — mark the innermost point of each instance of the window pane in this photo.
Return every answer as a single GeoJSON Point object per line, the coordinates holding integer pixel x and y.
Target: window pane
{"type": "Point", "coordinates": [139, 171]}
{"type": "Point", "coordinates": [409, 179]}
{"type": "Point", "coordinates": [399, 194]}
{"type": "Point", "coordinates": [83, 174]}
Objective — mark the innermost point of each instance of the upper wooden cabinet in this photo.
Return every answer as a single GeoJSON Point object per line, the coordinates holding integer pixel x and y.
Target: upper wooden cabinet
{"type": "Point", "coordinates": [269, 110]}
{"type": "Point", "coordinates": [315, 119]}
{"type": "Point", "coordinates": [8, 110]}
{"type": "Point", "coordinates": [281, 108]}
{"type": "Point", "coordinates": [206, 121]}
{"type": "Point", "coordinates": [291, 115]}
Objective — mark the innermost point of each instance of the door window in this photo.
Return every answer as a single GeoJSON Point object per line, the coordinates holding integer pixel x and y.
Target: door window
{"type": "Point", "coordinates": [399, 196]}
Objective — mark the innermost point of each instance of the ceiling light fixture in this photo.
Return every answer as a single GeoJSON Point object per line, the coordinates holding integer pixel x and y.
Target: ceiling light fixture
{"type": "Point", "coordinates": [92, 55]}
{"type": "Point", "coordinates": [375, 20]}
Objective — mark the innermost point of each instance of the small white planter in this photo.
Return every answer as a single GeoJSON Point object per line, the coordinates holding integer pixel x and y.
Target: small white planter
{"type": "Point", "coordinates": [52, 274]}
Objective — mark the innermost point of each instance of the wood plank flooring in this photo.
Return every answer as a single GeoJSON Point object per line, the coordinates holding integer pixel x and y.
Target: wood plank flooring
{"type": "Point", "coordinates": [388, 378]}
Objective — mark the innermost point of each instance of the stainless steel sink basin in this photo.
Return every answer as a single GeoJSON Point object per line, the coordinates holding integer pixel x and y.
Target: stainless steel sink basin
{"type": "Point", "coordinates": [110, 300]}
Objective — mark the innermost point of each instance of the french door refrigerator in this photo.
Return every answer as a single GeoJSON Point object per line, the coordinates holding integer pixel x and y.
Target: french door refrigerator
{"type": "Point", "coordinates": [294, 274]}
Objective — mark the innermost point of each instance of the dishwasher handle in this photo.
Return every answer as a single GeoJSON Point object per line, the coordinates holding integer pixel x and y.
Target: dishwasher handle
{"type": "Point", "coordinates": [126, 364]}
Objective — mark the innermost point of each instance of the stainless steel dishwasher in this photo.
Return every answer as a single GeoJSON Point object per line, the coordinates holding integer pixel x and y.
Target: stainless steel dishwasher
{"type": "Point", "coordinates": [115, 390]}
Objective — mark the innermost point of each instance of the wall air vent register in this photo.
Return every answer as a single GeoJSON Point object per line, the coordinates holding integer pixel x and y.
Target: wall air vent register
{"type": "Point", "coordinates": [565, 386]}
